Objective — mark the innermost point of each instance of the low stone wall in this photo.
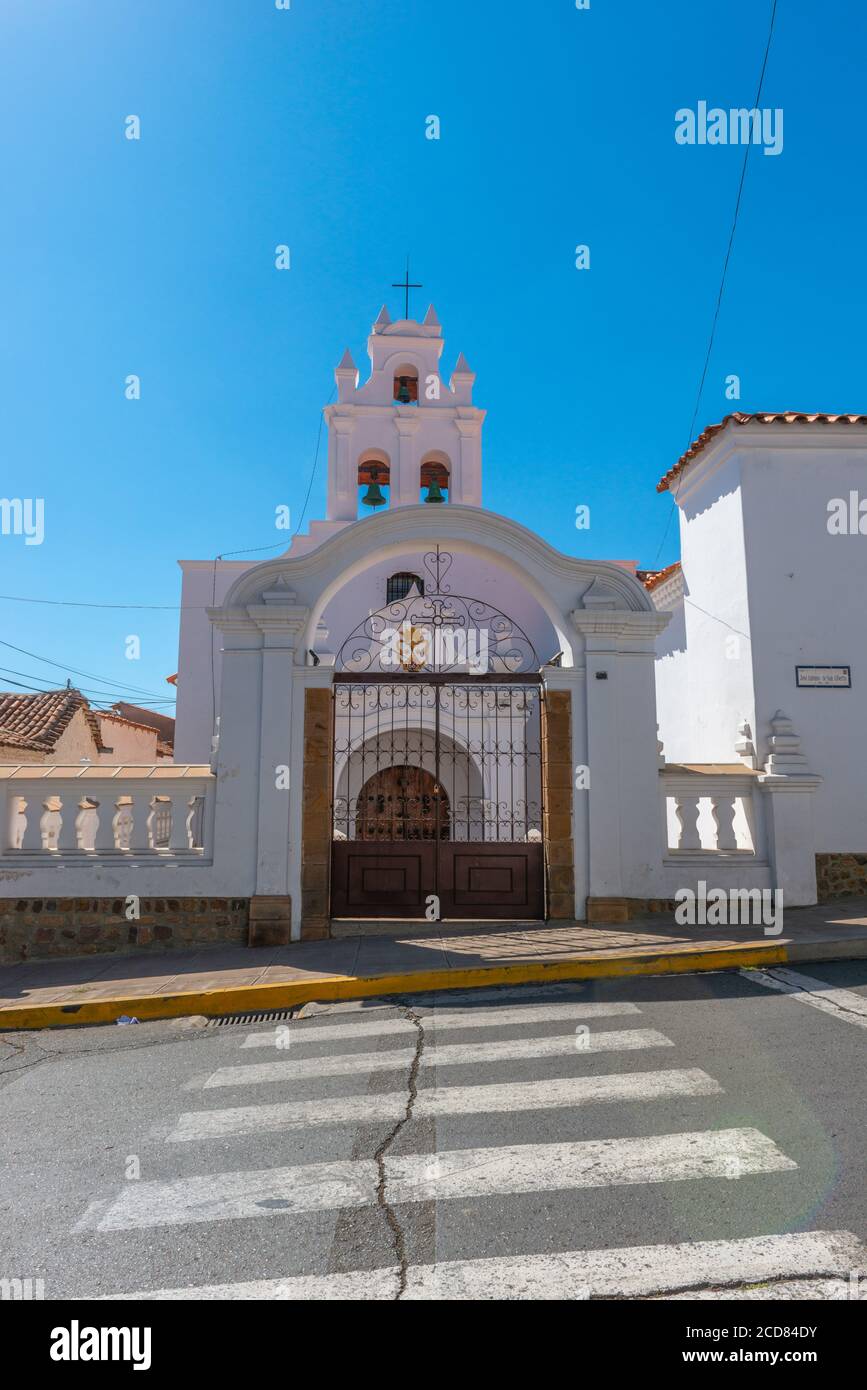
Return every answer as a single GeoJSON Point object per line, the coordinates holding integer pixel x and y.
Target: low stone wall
{"type": "Point", "coordinates": [841, 876]}
{"type": "Point", "coordinates": [44, 928]}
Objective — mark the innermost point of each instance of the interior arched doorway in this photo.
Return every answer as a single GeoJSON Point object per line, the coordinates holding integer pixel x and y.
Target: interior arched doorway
{"type": "Point", "coordinates": [402, 803]}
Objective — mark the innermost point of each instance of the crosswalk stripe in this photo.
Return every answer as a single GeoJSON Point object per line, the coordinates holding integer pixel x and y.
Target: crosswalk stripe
{"type": "Point", "coordinates": [457, 1173]}
{"type": "Point", "coordinates": [636, 1271]}
{"type": "Point", "coordinates": [640, 1271]}
{"type": "Point", "coordinates": [367, 1284]}
{"type": "Point", "coordinates": [843, 1004]}
{"type": "Point", "coordinates": [435, 1055]}
{"type": "Point", "coordinates": [439, 1101]}
{"type": "Point", "coordinates": [467, 1018]}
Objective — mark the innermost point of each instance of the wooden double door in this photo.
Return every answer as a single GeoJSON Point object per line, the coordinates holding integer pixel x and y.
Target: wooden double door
{"type": "Point", "coordinates": [437, 806]}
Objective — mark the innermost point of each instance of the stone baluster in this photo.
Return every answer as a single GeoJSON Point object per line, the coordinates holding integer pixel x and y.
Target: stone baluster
{"type": "Point", "coordinates": [723, 813]}
{"type": "Point", "coordinates": [15, 827]}
{"type": "Point", "coordinates": [193, 820]}
{"type": "Point", "coordinates": [686, 810]}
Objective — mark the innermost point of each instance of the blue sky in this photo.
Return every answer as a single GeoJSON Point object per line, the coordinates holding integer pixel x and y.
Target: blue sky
{"type": "Point", "coordinates": [307, 127]}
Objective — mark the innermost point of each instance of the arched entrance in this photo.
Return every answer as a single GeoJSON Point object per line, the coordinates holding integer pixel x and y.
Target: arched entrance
{"type": "Point", "coordinates": [402, 803]}
{"type": "Point", "coordinates": [437, 777]}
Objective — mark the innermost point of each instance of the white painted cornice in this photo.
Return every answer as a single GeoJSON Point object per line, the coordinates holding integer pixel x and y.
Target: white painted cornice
{"type": "Point", "coordinates": [237, 627]}
{"type": "Point", "coordinates": [338, 415]}
{"type": "Point", "coordinates": [273, 617]}
{"type": "Point", "coordinates": [407, 424]}
{"type": "Point", "coordinates": [619, 623]}
{"type": "Point", "coordinates": [470, 427]}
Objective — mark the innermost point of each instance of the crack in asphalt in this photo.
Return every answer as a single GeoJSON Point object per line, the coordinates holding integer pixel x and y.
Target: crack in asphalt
{"type": "Point", "coordinates": [713, 1286]}
{"type": "Point", "coordinates": [20, 1043]}
{"type": "Point", "coordinates": [382, 1201]}
{"type": "Point", "coordinates": [829, 1006]}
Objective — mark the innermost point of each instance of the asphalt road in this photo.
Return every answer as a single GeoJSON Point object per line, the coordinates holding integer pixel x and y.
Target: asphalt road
{"type": "Point", "coordinates": [647, 1138]}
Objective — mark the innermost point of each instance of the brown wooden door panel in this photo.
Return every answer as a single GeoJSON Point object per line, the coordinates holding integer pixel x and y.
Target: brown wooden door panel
{"type": "Point", "coordinates": [381, 880]}
{"type": "Point", "coordinates": [492, 880]}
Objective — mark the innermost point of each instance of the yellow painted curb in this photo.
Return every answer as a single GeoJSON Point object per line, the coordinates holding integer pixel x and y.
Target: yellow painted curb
{"type": "Point", "coordinates": [329, 988]}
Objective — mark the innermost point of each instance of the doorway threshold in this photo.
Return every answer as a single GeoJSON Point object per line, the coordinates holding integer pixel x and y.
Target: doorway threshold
{"type": "Point", "coordinates": [390, 926]}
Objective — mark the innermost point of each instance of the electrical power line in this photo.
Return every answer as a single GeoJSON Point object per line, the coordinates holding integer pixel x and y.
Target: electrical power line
{"type": "Point", "coordinates": [722, 282]}
{"type": "Point", "coordinates": [75, 671]}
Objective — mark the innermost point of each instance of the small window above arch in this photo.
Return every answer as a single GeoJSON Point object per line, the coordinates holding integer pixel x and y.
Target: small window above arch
{"type": "Point", "coordinates": [397, 586]}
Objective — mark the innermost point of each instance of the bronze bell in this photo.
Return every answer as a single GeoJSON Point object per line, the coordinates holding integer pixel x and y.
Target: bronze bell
{"type": "Point", "coordinates": [403, 391]}
{"type": "Point", "coordinates": [434, 492]}
{"type": "Point", "coordinates": [373, 497]}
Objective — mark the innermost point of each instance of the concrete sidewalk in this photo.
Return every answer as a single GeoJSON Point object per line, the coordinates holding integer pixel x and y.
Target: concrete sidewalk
{"type": "Point", "coordinates": [100, 989]}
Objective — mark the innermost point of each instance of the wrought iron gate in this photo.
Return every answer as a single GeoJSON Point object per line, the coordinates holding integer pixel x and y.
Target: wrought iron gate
{"type": "Point", "coordinates": [437, 792]}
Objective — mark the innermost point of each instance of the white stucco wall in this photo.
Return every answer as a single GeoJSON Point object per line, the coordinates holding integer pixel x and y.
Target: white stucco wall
{"type": "Point", "coordinates": [716, 613]}
{"type": "Point", "coordinates": [672, 676]}
{"type": "Point", "coordinates": [808, 602]}
{"type": "Point", "coordinates": [767, 588]}
{"type": "Point", "coordinates": [203, 585]}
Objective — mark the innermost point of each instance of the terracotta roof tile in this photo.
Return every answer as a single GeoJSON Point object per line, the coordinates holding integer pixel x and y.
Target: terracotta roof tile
{"type": "Point", "coordinates": [780, 417]}
{"type": "Point", "coordinates": [651, 579]}
{"type": "Point", "coordinates": [36, 722]}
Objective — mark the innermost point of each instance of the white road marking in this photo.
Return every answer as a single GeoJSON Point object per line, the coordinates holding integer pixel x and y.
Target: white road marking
{"type": "Point", "coordinates": [369, 1284]}
{"type": "Point", "coordinates": [637, 1271]}
{"type": "Point", "coordinates": [457, 1100]}
{"type": "Point", "coordinates": [466, 1018]}
{"type": "Point", "coordinates": [631, 1272]}
{"type": "Point", "coordinates": [435, 1055]}
{"type": "Point", "coordinates": [844, 1004]}
{"type": "Point", "coordinates": [457, 1173]}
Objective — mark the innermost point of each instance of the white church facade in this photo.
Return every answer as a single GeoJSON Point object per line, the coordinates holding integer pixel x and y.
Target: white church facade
{"type": "Point", "coordinates": [422, 711]}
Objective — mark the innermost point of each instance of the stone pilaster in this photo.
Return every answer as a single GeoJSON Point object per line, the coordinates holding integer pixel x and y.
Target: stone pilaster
{"type": "Point", "coordinates": [316, 814]}
{"type": "Point", "coordinates": [557, 782]}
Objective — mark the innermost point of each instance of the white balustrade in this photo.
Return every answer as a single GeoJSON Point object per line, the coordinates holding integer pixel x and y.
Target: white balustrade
{"type": "Point", "coordinates": [710, 812]}
{"type": "Point", "coordinates": [93, 812]}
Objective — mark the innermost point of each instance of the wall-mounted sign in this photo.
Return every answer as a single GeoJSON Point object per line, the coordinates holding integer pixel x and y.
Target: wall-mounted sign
{"type": "Point", "coordinates": [824, 677]}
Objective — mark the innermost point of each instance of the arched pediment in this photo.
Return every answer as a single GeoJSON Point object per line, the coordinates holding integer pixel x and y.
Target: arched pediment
{"type": "Point", "coordinates": [458, 526]}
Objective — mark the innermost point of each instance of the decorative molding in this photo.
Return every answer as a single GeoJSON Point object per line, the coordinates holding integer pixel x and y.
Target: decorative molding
{"type": "Point", "coordinates": [600, 597]}
{"type": "Point", "coordinates": [744, 747]}
{"type": "Point", "coordinates": [785, 758]}
{"type": "Point", "coordinates": [453, 523]}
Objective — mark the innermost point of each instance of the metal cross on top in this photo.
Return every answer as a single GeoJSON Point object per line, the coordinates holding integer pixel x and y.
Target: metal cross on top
{"type": "Point", "coordinates": [406, 285]}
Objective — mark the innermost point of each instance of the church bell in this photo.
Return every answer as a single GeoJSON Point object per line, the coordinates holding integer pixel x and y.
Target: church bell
{"type": "Point", "coordinates": [434, 492]}
{"type": "Point", "coordinates": [403, 391]}
{"type": "Point", "coordinates": [373, 497]}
